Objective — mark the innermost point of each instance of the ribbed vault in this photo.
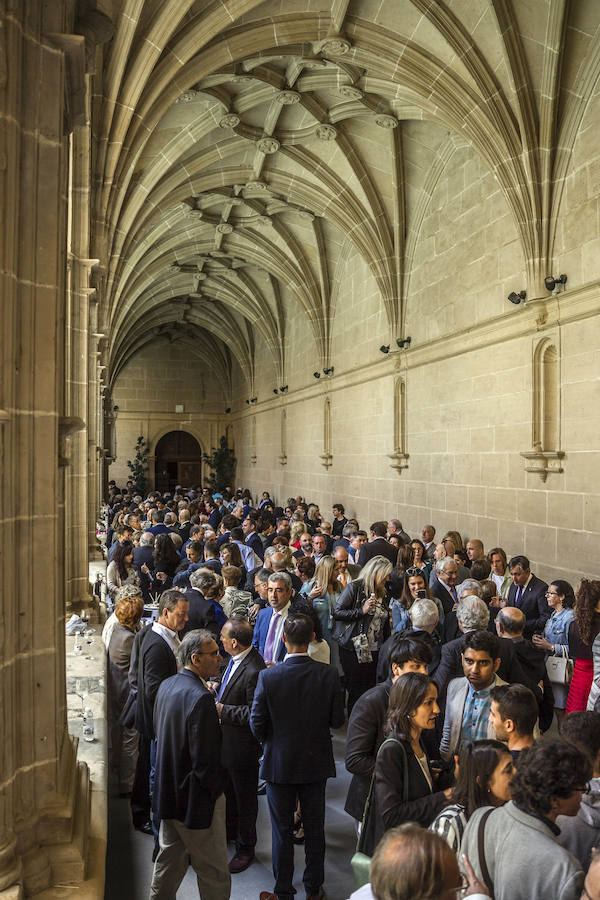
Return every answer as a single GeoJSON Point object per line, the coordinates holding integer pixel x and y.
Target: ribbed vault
{"type": "Point", "coordinates": [243, 153]}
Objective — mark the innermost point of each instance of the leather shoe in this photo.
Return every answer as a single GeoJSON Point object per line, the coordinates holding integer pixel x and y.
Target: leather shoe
{"type": "Point", "coordinates": [267, 895]}
{"type": "Point", "coordinates": [241, 861]}
{"type": "Point", "coordinates": [145, 827]}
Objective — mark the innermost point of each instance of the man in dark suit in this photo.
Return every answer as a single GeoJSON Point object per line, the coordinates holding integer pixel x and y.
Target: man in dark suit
{"type": "Point", "coordinates": [142, 556]}
{"type": "Point", "coordinates": [510, 626]}
{"type": "Point", "coordinates": [295, 705]}
{"type": "Point", "coordinates": [268, 631]}
{"type": "Point", "coordinates": [367, 720]}
{"type": "Point", "coordinates": [473, 615]}
{"type": "Point", "coordinates": [251, 538]}
{"type": "Point", "coordinates": [528, 594]}
{"type": "Point", "coordinates": [306, 547]}
{"type": "Point", "coordinates": [444, 586]}
{"type": "Point", "coordinates": [377, 546]}
{"type": "Point", "coordinates": [155, 660]}
{"type": "Point", "coordinates": [188, 795]}
{"type": "Point", "coordinates": [201, 613]}
{"type": "Point", "coordinates": [241, 750]}
{"type": "Point", "coordinates": [424, 616]}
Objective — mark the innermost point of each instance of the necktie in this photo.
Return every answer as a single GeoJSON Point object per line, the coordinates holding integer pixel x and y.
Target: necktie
{"type": "Point", "coordinates": [518, 597]}
{"type": "Point", "coordinates": [270, 641]}
{"type": "Point", "coordinates": [225, 678]}
{"type": "Point", "coordinates": [454, 594]}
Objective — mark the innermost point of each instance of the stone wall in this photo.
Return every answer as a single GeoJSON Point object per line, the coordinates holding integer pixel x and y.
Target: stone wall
{"type": "Point", "coordinates": [155, 380]}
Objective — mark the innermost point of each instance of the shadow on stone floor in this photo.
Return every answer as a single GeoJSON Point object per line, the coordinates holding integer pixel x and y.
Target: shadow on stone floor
{"type": "Point", "coordinates": [129, 864]}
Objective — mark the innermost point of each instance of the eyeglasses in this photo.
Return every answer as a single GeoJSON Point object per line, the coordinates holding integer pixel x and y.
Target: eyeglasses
{"type": "Point", "coordinates": [551, 594]}
{"type": "Point", "coordinates": [414, 571]}
{"type": "Point", "coordinates": [585, 789]}
{"type": "Point", "coordinates": [207, 653]}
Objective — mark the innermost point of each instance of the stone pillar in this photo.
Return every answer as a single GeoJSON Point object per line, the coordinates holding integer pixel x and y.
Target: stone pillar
{"type": "Point", "coordinates": [44, 800]}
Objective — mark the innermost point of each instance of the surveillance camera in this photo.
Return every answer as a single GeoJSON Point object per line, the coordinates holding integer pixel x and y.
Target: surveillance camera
{"type": "Point", "coordinates": [385, 348]}
{"type": "Point", "coordinates": [317, 374]}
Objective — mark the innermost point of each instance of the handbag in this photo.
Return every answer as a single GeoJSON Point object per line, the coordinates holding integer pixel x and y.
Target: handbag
{"type": "Point", "coordinates": [560, 668]}
{"type": "Point", "coordinates": [361, 861]}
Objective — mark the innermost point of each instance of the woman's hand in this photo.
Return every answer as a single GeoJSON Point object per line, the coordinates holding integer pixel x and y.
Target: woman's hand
{"type": "Point", "coordinates": [369, 606]}
{"type": "Point", "coordinates": [314, 593]}
{"type": "Point", "coordinates": [541, 643]}
{"type": "Point", "coordinates": [474, 885]}
{"type": "Point", "coordinates": [162, 576]}
{"type": "Point", "coordinates": [145, 569]}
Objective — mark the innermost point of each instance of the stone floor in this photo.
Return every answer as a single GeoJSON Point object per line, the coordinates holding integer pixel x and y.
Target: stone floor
{"type": "Point", "coordinates": [129, 866]}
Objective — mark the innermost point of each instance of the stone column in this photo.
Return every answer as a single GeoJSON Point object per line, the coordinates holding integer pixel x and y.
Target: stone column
{"type": "Point", "coordinates": [44, 802]}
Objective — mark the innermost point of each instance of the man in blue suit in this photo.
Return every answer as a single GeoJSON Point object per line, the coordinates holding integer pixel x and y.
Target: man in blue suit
{"type": "Point", "coordinates": [295, 705]}
{"type": "Point", "coordinates": [268, 631]}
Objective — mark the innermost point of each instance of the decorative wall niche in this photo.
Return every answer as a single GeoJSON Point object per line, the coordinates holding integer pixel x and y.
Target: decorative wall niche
{"type": "Point", "coordinates": [545, 457]}
{"type": "Point", "coordinates": [326, 456]}
{"type": "Point", "coordinates": [399, 457]}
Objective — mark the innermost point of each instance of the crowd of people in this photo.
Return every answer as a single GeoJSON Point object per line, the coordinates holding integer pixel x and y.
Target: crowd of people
{"type": "Point", "coordinates": [469, 687]}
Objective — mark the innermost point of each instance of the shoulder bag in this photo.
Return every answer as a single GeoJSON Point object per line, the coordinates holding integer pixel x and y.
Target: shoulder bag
{"type": "Point", "coordinates": [560, 668]}
{"type": "Point", "coordinates": [485, 872]}
{"type": "Point", "coordinates": [361, 861]}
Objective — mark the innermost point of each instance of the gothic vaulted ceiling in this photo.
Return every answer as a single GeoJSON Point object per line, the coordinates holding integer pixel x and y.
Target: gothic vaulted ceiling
{"type": "Point", "coordinates": [245, 149]}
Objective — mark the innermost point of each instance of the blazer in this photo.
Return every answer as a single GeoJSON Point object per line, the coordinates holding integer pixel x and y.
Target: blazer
{"type": "Point", "coordinates": [378, 547]}
{"type": "Point", "coordinates": [437, 589]}
{"type": "Point", "coordinates": [455, 705]}
{"type": "Point", "coordinates": [240, 747]}
{"type": "Point", "coordinates": [188, 777]}
{"type": "Point", "coordinates": [389, 808]}
{"type": "Point", "coordinates": [295, 705]}
{"type": "Point", "coordinates": [451, 665]}
{"type": "Point", "coordinates": [533, 604]}
{"type": "Point", "coordinates": [349, 618]}
{"type": "Point", "coordinates": [254, 542]}
{"type": "Point", "coordinates": [261, 629]}
{"type": "Point", "coordinates": [155, 662]}
{"type": "Point", "coordinates": [363, 739]}
{"type": "Point", "coordinates": [533, 663]}
{"type": "Point", "coordinates": [201, 613]}
{"type": "Point", "coordinates": [432, 641]}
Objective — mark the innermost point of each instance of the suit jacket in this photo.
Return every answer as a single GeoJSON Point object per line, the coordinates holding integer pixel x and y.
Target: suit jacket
{"type": "Point", "coordinates": [201, 613]}
{"type": "Point", "coordinates": [261, 629]}
{"type": "Point", "coordinates": [189, 777]}
{"type": "Point", "coordinates": [437, 589]}
{"type": "Point", "coordinates": [432, 641]}
{"type": "Point", "coordinates": [455, 705]}
{"type": "Point", "coordinates": [463, 573]}
{"type": "Point", "coordinates": [240, 747]}
{"type": "Point", "coordinates": [533, 663]}
{"type": "Point", "coordinates": [510, 669]}
{"type": "Point", "coordinates": [533, 604]}
{"type": "Point", "coordinates": [254, 542]}
{"type": "Point", "coordinates": [155, 662]}
{"type": "Point", "coordinates": [143, 556]}
{"type": "Point", "coordinates": [378, 547]}
{"type": "Point", "coordinates": [364, 737]}
{"type": "Point", "coordinates": [294, 707]}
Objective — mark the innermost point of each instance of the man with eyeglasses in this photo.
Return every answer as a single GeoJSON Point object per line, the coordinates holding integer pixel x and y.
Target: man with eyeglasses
{"type": "Point", "coordinates": [188, 795]}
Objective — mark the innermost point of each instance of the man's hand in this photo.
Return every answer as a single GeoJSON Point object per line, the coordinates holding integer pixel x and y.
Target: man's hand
{"type": "Point", "coordinates": [219, 708]}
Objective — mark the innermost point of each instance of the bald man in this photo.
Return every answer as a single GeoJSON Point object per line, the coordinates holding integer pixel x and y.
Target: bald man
{"type": "Point", "coordinates": [510, 624]}
{"type": "Point", "coordinates": [475, 550]}
{"type": "Point", "coordinates": [346, 571]}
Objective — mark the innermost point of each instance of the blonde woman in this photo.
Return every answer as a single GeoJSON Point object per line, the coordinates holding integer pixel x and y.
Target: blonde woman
{"type": "Point", "coordinates": [298, 528]}
{"type": "Point", "coordinates": [323, 592]}
{"type": "Point", "coordinates": [362, 625]}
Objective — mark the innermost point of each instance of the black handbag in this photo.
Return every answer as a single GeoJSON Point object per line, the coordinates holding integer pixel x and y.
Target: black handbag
{"type": "Point", "coordinates": [361, 861]}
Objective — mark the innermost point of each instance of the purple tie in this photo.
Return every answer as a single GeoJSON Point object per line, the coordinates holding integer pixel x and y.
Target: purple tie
{"type": "Point", "coordinates": [270, 641]}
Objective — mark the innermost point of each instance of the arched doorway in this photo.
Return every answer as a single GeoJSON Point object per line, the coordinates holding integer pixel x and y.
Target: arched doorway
{"type": "Point", "coordinates": [178, 460]}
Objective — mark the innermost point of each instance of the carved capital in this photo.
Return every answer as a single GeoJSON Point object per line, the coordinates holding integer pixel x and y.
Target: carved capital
{"type": "Point", "coordinates": [544, 462]}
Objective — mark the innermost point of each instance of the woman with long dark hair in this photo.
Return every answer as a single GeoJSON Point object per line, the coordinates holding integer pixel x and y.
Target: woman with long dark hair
{"type": "Point", "coordinates": [485, 770]}
{"type": "Point", "coordinates": [120, 570]}
{"type": "Point", "coordinates": [582, 633]}
{"type": "Point", "coordinates": [560, 597]}
{"type": "Point", "coordinates": [405, 787]}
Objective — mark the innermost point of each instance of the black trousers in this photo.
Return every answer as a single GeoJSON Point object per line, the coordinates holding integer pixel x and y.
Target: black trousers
{"type": "Point", "coordinates": [242, 806]}
{"type": "Point", "coordinates": [359, 676]}
{"type": "Point", "coordinates": [282, 806]}
{"type": "Point", "coordinates": [140, 793]}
